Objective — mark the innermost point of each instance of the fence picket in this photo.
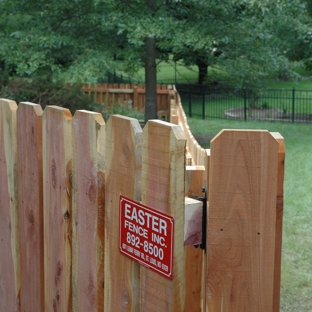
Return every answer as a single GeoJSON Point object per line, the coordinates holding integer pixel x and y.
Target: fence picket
{"type": "Point", "coordinates": [88, 211]}
{"type": "Point", "coordinates": [9, 235]}
{"type": "Point", "coordinates": [30, 193]}
{"type": "Point", "coordinates": [122, 176]}
{"type": "Point", "coordinates": [57, 193]}
{"type": "Point", "coordinates": [241, 227]}
{"type": "Point", "coordinates": [163, 170]}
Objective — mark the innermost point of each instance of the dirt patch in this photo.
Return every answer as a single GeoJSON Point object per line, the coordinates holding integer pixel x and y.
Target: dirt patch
{"type": "Point", "coordinates": [255, 113]}
{"type": "Point", "coordinates": [265, 114]}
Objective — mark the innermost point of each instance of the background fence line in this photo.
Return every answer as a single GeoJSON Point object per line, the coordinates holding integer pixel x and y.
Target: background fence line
{"type": "Point", "coordinates": [246, 104]}
{"type": "Point", "coordinates": [132, 95]}
{"type": "Point", "coordinates": [61, 177]}
{"type": "Point", "coordinates": [288, 105]}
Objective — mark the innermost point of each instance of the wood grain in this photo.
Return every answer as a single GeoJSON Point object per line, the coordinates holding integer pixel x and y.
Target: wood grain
{"type": "Point", "coordinates": [279, 220]}
{"type": "Point", "coordinates": [163, 173]}
{"type": "Point", "coordinates": [9, 235]}
{"type": "Point", "coordinates": [57, 200]}
{"type": "Point", "coordinates": [122, 177]}
{"type": "Point", "coordinates": [88, 211]}
{"type": "Point", "coordinates": [242, 216]}
{"type": "Point", "coordinates": [29, 167]}
{"type": "Point", "coordinates": [194, 181]}
{"type": "Point", "coordinates": [207, 169]}
{"type": "Point", "coordinates": [195, 257]}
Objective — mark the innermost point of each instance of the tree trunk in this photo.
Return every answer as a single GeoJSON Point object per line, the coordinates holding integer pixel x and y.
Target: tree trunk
{"type": "Point", "coordinates": [150, 70]}
{"type": "Point", "coordinates": [202, 70]}
{"type": "Point", "coordinates": [150, 79]}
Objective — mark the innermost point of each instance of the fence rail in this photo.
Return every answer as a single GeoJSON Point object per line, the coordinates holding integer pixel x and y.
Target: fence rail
{"type": "Point", "coordinates": [61, 177]}
{"type": "Point", "coordinates": [247, 104]}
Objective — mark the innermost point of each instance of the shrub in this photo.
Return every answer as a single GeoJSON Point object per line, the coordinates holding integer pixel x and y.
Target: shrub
{"type": "Point", "coordinates": [46, 92]}
{"type": "Point", "coordinates": [125, 109]}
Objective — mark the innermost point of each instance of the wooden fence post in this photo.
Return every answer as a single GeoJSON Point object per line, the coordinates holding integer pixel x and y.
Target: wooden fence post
{"type": "Point", "coordinates": [241, 223]}
{"type": "Point", "coordinates": [122, 176]}
{"type": "Point", "coordinates": [30, 193]}
{"type": "Point", "coordinates": [195, 257]}
{"type": "Point", "coordinates": [279, 220]}
{"type": "Point", "coordinates": [163, 172]}
{"type": "Point", "coordinates": [9, 235]}
{"type": "Point", "coordinates": [57, 196]}
{"type": "Point", "coordinates": [88, 211]}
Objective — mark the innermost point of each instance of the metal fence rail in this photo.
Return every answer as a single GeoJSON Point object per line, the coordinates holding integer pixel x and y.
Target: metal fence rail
{"type": "Point", "coordinates": [246, 104]}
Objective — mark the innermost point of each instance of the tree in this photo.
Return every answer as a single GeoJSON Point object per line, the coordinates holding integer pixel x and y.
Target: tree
{"type": "Point", "coordinates": [300, 43]}
{"type": "Point", "coordinates": [85, 38]}
{"type": "Point", "coordinates": [81, 38]}
{"type": "Point", "coordinates": [244, 38]}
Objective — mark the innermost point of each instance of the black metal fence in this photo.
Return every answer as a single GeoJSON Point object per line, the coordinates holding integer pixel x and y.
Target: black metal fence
{"type": "Point", "coordinates": [288, 105]}
{"type": "Point", "coordinates": [113, 77]}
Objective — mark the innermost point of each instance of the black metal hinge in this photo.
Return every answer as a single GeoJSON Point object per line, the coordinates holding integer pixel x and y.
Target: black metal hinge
{"type": "Point", "coordinates": [203, 199]}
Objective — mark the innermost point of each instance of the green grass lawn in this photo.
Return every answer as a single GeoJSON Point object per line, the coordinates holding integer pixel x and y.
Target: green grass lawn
{"type": "Point", "coordinates": [303, 84]}
{"type": "Point", "coordinates": [296, 286]}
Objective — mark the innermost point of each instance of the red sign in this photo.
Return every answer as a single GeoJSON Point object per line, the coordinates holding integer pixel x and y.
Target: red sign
{"type": "Point", "coordinates": [146, 235]}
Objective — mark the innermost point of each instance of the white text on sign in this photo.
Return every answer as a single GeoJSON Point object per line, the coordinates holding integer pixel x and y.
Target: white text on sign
{"type": "Point", "coordinates": [144, 218]}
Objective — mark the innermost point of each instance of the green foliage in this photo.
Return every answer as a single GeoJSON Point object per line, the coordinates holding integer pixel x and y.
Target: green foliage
{"type": "Point", "coordinates": [247, 39]}
{"type": "Point", "coordinates": [4, 77]}
{"type": "Point", "coordinates": [125, 109]}
{"type": "Point", "coordinates": [45, 92]}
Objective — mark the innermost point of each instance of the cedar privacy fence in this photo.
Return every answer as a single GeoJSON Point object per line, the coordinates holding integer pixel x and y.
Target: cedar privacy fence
{"type": "Point", "coordinates": [61, 178]}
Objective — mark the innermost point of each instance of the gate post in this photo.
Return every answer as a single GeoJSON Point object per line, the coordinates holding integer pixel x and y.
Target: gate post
{"type": "Point", "coordinates": [163, 171]}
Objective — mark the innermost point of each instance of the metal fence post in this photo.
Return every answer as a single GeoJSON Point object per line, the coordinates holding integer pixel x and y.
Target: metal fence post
{"type": "Point", "coordinates": [190, 100]}
{"type": "Point", "coordinates": [245, 103]}
{"type": "Point", "coordinates": [204, 100]}
{"type": "Point", "coordinates": [175, 71]}
{"type": "Point", "coordinates": [293, 106]}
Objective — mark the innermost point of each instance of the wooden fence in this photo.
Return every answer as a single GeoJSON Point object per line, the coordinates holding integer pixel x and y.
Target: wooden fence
{"type": "Point", "coordinates": [131, 94]}
{"type": "Point", "coordinates": [61, 177]}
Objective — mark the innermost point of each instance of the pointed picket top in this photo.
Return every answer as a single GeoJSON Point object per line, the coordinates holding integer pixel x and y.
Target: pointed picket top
{"type": "Point", "coordinates": [88, 211]}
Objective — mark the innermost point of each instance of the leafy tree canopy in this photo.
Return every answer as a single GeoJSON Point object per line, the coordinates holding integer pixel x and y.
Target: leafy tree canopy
{"type": "Point", "coordinates": [247, 38]}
